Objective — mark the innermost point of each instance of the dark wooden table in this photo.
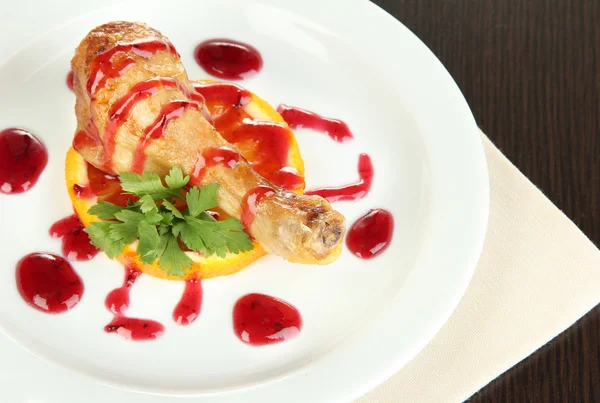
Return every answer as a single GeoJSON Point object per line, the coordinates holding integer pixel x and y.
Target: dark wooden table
{"type": "Point", "coordinates": [530, 70]}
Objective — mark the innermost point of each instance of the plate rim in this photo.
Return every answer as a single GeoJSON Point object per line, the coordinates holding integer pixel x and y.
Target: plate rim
{"type": "Point", "coordinates": [480, 231]}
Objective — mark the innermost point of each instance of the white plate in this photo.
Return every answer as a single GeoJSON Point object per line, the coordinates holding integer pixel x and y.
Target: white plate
{"type": "Point", "coordinates": [363, 320]}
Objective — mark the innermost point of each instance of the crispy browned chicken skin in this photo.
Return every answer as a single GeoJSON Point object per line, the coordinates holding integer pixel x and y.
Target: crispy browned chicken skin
{"type": "Point", "coordinates": [302, 229]}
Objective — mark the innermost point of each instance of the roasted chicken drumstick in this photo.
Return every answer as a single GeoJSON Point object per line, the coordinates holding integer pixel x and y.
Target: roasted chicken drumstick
{"type": "Point", "coordinates": [137, 111]}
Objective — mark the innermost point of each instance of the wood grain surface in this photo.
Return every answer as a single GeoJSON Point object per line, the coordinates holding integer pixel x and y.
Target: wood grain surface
{"type": "Point", "coordinates": [530, 70]}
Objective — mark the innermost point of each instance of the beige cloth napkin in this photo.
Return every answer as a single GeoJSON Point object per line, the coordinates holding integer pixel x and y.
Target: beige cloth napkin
{"type": "Point", "coordinates": [538, 274]}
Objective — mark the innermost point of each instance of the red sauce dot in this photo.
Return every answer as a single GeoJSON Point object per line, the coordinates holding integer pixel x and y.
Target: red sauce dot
{"type": "Point", "coordinates": [371, 234]}
{"type": "Point", "coordinates": [23, 157]}
{"type": "Point", "coordinates": [259, 319]}
{"type": "Point", "coordinates": [48, 283]}
{"type": "Point", "coordinates": [76, 244]}
{"type": "Point", "coordinates": [228, 59]}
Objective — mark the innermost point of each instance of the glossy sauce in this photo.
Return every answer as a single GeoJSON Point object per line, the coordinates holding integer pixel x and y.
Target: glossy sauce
{"type": "Point", "coordinates": [371, 234]}
{"type": "Point", "coordinates": [353, 191]}
{"type": "Point", "coordinates": [48, 283]}
{"type": "Point", "coordinates": [105, 186]}
{"type": "Point", "coordinates": [229, 95]}
{"type": "Point", "coordinates": [188, 308]}
{"type": "Point", "coordinates": [170, 111]}
{"type": "Point", "coordinates": [23, 157]}
{"type": "Point", "coordinates": [298, 118]}
{"type": "Point", "coordinates": [212, 156]}
{"type": "Point", "coordinates": [119, 111]}
{"type": "Point", "coordinates": [89, 138]}
{"type": "Point", "coordinates": [268, 143]}
{"type": "Point", "coordinates": [115, 61]}
{"type": "Point", "coordinates": [76, 244]}
{"type": "Point", "coordinates": [117, 301]}
{"type": "Point", "coordinates": [82, 192]}
{"type": "Point", "coordinates": [259, 319]}
{"type": "Point", "coordinates": [228, 59]}
{"type": "Point", "coordinates": [249, 205]}
{"type": "Point", "coordinates": [135, 329]}
{"type": "Point", "coordinates": [69, 80]}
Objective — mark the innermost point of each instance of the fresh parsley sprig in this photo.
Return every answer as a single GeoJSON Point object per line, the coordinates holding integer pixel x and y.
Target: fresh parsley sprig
{"type": "Point", "coordinates": [159, 225]}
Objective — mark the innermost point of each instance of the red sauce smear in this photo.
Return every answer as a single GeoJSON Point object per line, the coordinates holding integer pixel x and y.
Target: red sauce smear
{"type": "Point", "coordinates": [250, 204]}
{"type": "Point", "coordinates": [188, 308]}
{"type": "Point", "coordinates": [117, 301]}
{"type": "Point", "coordinates": [105, 186]}
{"type": "Point", "coordinates": [228, 59]}
{"type": "Point", "coordinates": [229, 94]}
{"type": "Point", "coordinates": [371, 234]}
{"type": "Point", "coordinates": [48, 283]}
{"type": "Point", "coordinates": [115, 61]}
{"type": "Point", "coordinates": [170, 111]}
{"type": "Point", "coordinates": [23, 157]}
{"type": "Point", "coordinates": [212, 156]}
{"type": "Point", "coordinates": [352, 191]}
{"type": "Point", "coordinates": [89, 139]}
{"type": "Point", "coordinates": [135, 329]}
{"type": "Point", "coordinates": [260, 319]}
{"type": "Point", "coordinates": [298, 118]}
{"type": "Point", "coordinates": [120, 109]}
{"type": "Point", "coordinates": [70, 80]}
{"type": "Point", "coordinates": [82, 192]}
{"type": "Point", "coordinates": [76, 244]}
{"type": "Point", "coordinates": [268, 143]}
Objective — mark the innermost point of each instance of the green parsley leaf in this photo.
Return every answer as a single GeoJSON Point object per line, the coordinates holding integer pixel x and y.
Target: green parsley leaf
{"type": "Point", "coordinates": [199, 200]}
{"type": "Point", "coordinates": [173, 259]}
{"type": "Point", "coordinates": [216, 236]}
{"type": "Point", "coordinates": [169, 206]}
{"type": "Point", "coordinates": [105, 210]}
{"type": "Point", "coordinates": [153, 217]}
{"type": "Point", "coordinates": [149, 240]}
{"type": "Point", "coordinates": [149, 184]}
{"type": "Point", "coordinates": [147, 204]}
{"type": "Point", "coordinates": [175, 178]}
{"type": "Point", "coordinates": [99, 236]}
{"type": "Point", "coordinates": [127, 229]}
{"type": "Point", "coordinates": [160, 225]}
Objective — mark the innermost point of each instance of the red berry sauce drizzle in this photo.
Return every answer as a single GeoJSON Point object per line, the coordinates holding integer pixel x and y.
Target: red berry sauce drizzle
{"type": "Point", "coordinates": [250, 204]}
{"type": "Point", "coordinates": [298, 118]}
{"type": "Point", "coordinates": [188, 308]}
{"type": "Point", "coordinates": [228, 59]}
{"type": "Point", "coordinates": [23, 157]}
{"type": "Point", "coordinates": [260, 319]}
{"type": "Point", "coordinates": [117, 301]}
{"type": "Point", "coordinates": [371, 234]}
{"type": "Point", "coordinates": [76, 244]}
{"type": "Point", "coordinates": [226, 102]}
{"type": "Point", "coordinates": [48, 283]}
{"type": "Point", "coordinates": [353, 191]}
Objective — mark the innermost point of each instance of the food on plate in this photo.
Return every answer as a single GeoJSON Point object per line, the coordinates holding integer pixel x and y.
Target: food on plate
{"type": "Point", "coordinates": [184, 180]}
{"type": "Point", "coordinates": [136, 108]}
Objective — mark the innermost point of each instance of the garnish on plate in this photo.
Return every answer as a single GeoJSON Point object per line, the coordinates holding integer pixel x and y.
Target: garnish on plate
{"type": "Point", "coordinates": [164, 216]}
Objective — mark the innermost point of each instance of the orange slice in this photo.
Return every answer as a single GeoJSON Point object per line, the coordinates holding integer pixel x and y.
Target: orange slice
{"type": "Point", "coordinates": [87, 185]}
